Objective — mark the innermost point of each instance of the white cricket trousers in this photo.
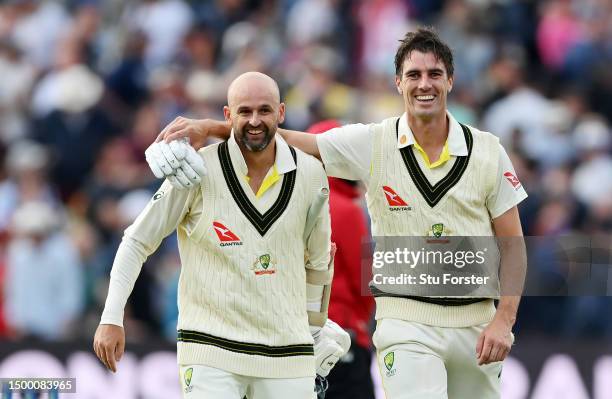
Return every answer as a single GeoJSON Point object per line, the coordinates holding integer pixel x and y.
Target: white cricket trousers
{"type": "Point", "coordinates": [417, 361]}
{"type": "Point", "coordinates": [204, 382]}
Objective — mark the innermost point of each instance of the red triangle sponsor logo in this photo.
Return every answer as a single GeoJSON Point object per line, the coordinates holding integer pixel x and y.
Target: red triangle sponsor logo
{"type": "Point", "coordinates": [392, 198]}
{"type": "Point", "coordinates": [512, 179]}
{"type": "Point", "coordinates": [224, 234]}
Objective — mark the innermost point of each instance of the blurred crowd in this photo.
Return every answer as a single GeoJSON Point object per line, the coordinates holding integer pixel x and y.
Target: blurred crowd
{"type": "Point", "coordinates": [88, 84]}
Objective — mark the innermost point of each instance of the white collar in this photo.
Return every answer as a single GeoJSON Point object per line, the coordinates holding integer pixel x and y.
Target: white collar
{"type": "Point", "coordinates": [456, 140]}
{"type": "Point", "coordinates": [283, 159]}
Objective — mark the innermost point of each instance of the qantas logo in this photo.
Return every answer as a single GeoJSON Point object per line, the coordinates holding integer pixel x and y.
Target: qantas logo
{"type": "Point", "coordinates": [226, 236]}
{"type": "Point", "coordinates": [395, 201]}
{"type": "Point", "coordinates": [513, 180]}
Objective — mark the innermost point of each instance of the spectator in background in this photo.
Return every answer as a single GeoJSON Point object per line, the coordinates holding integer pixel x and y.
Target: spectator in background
{"type": "Point", "coordinates": [165, 23]}
{"type": "Point", "coordinates": [592, 186]}
{"type": "Point", "coordinates": [351, 304]}
{"type": "Point", "coordinates": [127, 81]}
{"type": "Point", "coordinates": [558, 30]}
{"type": "Point", "coordinates": [521, 109]}
{"type": "Point", "coordinates": [383, 23]}
{"type": "Point", "coordinates": [14, 91]}
{"type": "Point", "coordinates": [461, 26]}
{"type": "Point", "coordinates": [592, 182]}
{"type": "Point", "coordinates": [23, 21]}
{"type": "Point", "coordinates": [70, 118]}
{"type": "Point", "coordinates": [311, 20]}
{"type": "Point", "coordinates": [317, 92]}
{"type": "Point", "coordinates": [221, 14]}
{"type": "Point", "coordinates": [43, 281]}
{"type": "Point", "coordinates": [26, 163]}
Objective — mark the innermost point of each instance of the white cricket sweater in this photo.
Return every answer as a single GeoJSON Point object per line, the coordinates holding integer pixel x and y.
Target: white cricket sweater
{"type": "Point", "coordinates": [242, 287]}
{"type": "Point", "coordinates": [457, 202]}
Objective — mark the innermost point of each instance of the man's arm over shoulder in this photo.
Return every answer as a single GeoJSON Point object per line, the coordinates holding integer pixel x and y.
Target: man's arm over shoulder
{"type": "Point", "coordinates": [306, 142]}
{"type": "Point", "coordinates": [346, 151]}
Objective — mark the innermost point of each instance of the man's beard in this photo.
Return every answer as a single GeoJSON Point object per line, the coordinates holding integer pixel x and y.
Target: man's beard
{"type": "Point", "coordinates": [245, 139]}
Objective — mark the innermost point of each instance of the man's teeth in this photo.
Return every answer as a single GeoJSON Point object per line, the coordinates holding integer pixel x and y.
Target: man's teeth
{"type": "Point", "coordinates": [425, 98]}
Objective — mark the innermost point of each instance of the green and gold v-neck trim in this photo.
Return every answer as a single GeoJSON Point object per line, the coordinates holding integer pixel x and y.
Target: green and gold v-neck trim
{"type": "Point", "coordinates": [434, 193]}
{"type": "Point", "coordinates": [261, 222]}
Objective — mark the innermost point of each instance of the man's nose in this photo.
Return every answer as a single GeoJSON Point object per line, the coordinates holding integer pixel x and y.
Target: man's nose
{"type": "Point", "coordinates": [254, 121]}
{"type": "Point", "coordinates": [424, 83]}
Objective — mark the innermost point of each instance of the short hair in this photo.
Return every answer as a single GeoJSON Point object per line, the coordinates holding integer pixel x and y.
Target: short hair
{"type": "Point", "coordinates": [425, 40]}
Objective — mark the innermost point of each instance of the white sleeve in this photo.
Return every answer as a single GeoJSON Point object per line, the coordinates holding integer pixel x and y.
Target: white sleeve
{"type": "Point", "coordinates": [318, 247]}
{"type": "Point", "coordinates": [165, 211]}
{"type": "Point", "coordinates": [319, 241]}
{"type": "Point", "coordinates": [346, 151]}
{"type": "Point", "coordinates": [508, 190]}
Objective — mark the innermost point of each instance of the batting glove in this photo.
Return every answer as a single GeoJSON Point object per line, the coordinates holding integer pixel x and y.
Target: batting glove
{"type": "Point", "coordinates": [330, 343]}
{"type": "Point", "coordinates": [176, 161]}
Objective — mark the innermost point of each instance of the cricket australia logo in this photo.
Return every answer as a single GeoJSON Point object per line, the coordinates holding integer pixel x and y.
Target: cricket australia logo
{"type": "Point", "coordinates": [396, 203]}
{"type": "Point", "coordinates": [264, 265]}
{"type": "Point", "coordinates": [225, 235]}
{"type": "Point", "coordinates": [389, 359]}
{"type": "Point", "coordinates": [438, 230]}
{"type": "Point", "coordinates": [187, 378]}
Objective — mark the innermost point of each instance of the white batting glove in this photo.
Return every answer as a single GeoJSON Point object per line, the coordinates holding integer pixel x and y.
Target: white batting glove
{"type": "Point", "coordinates": [330, 343]}
{"type": "Point", "coordinates": [176, 161]}
{"type": "Point", "coordinates": [158, 163]}
{"type": "Point", "coordinates": [332, 330]}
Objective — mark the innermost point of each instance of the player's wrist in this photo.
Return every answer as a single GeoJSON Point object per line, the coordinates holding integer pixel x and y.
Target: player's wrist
{"type": "Point", "coordinates": [199, 133]}
{"type": "Point", "coordinates": [506, 317]}
{"type": "Point", "coordinates": [211, 127]}
{"type": "Point", "coordinates": [315, 330]}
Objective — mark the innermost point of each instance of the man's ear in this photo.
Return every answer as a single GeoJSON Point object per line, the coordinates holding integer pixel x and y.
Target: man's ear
{"type": "Point", "coordinates": [281, 113]}
{"type": "Point", "coordinates": [227, 113]}
{"type": "Point", "coordinates": [397, 84]}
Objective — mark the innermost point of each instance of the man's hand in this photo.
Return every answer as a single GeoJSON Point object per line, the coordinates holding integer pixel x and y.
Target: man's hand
{"type": "Point", "coordinates": [331, 343]}
{"type": "Point", "coordinates": [333, 248]}
{"type": "Point", "coordinates": [109, 344]}
{"type": "Point", "coordinates": [176, 161]}
{"type": "Point", "coordinates": [494, 342]}
{"type": "Point", "coordinates": [197, 130]}
{"type": "Point", "coordinates": [332, 330]}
